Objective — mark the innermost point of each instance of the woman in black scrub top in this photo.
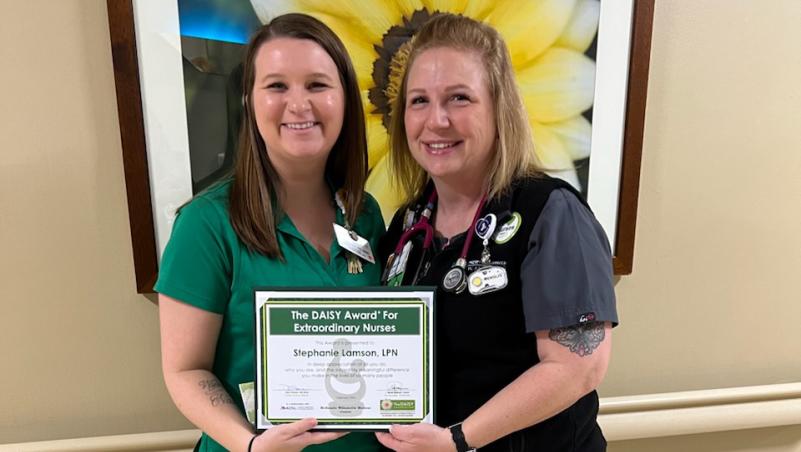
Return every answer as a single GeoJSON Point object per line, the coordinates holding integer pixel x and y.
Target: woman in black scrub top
{"type": "Point", "coordinates": [525, 300]}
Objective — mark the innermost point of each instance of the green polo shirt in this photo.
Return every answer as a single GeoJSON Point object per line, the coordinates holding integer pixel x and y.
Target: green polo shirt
{"type": "Point", "coordinates": [205, 265]}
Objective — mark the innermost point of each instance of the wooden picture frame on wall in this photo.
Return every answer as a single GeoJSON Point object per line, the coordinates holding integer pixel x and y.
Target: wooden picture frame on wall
{"type": "Point", "coordinates": [132, 137]}
{"type": "Point", "coordinates": [150, 147]}
{"type": "Point", "coordinates": [637, 93]}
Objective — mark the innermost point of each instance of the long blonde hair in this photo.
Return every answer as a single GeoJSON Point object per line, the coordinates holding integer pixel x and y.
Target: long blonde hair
{"type": "Point", "coordinates": [514, 156]}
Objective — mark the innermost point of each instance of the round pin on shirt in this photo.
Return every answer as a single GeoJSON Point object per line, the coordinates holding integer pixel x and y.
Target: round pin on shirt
{"type": "Point", "coordinates": [485, 226]}
{"type": "Point", "coordinates": [508, 229]}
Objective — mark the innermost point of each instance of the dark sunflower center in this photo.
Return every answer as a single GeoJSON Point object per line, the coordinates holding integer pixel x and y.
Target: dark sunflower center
{"type": "Point", "coordinates": [392, 41]}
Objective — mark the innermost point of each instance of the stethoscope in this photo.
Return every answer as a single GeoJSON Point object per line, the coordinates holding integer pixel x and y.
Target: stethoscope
{"type": "Point", "coordinates": [455, 280]}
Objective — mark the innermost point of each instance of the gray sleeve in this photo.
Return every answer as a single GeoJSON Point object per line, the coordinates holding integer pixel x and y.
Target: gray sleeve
{"type": "Point", "coordinates": [566, 275]}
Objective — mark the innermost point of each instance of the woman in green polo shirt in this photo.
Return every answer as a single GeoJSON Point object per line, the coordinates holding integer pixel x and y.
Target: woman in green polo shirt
{"type": "Point", "coordinates": [302, 164]}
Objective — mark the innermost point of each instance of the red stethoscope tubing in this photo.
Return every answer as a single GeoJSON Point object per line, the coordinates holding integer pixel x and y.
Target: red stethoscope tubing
{"type": "Point", "coordinates": [424, 226]}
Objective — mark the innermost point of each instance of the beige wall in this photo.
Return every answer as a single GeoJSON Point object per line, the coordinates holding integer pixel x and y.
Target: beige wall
{"type": "Point", "coordinates": [80, 349]}
{"type": "Point", "coordinates": [712, 302]}
{"type": "Point", "coordinates": [714, 299]}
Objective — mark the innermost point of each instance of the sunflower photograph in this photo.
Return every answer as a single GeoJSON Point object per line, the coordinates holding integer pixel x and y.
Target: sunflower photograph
{"type": "Point", "coordinates": [551, 42]}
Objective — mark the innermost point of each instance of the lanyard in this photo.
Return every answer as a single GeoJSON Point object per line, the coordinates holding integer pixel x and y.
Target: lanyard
{"type": "Point", "coordinates": [455, 279]}
{"type": "Point", "coordinates": [462, 261]}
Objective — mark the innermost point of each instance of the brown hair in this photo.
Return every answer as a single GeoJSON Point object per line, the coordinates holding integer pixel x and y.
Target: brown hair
{"type": "Point", "coordinates": [254, 208]}
{"type": "Point", "coordinates": [514, 151]}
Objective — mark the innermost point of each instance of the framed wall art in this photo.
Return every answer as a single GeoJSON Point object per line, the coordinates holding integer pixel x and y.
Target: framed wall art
{"type": "Point", "coordinates": [581, 65]}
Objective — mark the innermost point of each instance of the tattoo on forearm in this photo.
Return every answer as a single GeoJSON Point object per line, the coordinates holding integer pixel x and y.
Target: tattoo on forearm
{"type": "Point", "coordinates": [216, 392]}
{"type": "Point", "coordinates": [581, 339]}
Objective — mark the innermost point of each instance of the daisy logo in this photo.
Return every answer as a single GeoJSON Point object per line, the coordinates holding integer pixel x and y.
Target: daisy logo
{"type": "Point", "coordinates": [550, 42]}
{"type": "Point", "coordinates": [386, 404]}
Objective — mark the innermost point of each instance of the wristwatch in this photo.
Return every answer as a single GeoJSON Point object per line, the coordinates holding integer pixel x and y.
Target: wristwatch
{"type": "Point", "coordinates": [458, 438]}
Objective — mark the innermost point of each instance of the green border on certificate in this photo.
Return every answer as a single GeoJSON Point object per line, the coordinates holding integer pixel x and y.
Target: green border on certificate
{"type": "Point", "coordinates": [355, 359]}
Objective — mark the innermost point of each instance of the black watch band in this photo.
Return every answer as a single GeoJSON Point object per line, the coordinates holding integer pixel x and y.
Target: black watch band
{"type": "Point", "coordinates": [458, 438]}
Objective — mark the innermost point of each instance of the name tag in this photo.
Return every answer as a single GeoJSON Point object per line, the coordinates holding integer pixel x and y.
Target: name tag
{"type": "Point", "coordinates": [486, 280]}
{"type": "Point", "coordinates": [354, 243]}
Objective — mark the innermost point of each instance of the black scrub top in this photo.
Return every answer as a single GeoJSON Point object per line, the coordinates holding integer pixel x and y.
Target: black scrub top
{"type": "Point", "coordinates": [559, 270]}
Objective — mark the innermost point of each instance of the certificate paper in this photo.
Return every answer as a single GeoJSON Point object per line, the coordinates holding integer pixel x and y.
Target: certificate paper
{"type": "Point", "coordinates": [356, 359]}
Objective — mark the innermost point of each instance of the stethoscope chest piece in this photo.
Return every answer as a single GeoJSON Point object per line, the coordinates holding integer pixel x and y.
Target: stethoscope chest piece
{"type": "Point", "coordinates": [455, 280]}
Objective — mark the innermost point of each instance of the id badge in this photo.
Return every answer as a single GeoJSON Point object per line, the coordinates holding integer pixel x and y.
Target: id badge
{"type": "Point", "coordinates": [354, 243]}
{"type": "Point", "coordinates": [395, 277]}
{"type": "Point", "coordinates": [487, 279]}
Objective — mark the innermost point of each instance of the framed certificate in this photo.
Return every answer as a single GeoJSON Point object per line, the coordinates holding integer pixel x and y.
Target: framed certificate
{"type": "Point", "coordinates": [355, 359]}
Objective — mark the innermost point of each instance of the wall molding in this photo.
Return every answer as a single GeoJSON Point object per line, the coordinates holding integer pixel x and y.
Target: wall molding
{"type": "Point", "coordinates": [705, 411]}
{"type": "Point", "coordinates": [621, 418]}
{"type": "Point", "coordinates": [180, 440]}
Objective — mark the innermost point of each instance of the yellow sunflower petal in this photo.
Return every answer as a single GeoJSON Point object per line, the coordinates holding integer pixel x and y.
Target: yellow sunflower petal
{"type": "Point", "coordinates": [373, 19]}
{"type": "Point", "coordinates": [552, 154]}
{"type": "Point", "coordinates": [377, 139]}
{"type": "Point", "coordinates": [351, 33]}
{"type": "Point", "coordinates": [559, 85]}
{"type": "Point", "coordinates": [583, 26]}
{"type": "Point", "coordinates": [530, 26]}
{"type": "Point", "coordinates": [361, 51]}
{"type": "Point", "coordinates": [479, 9]}
{"type": "Point", "coordinates": [370, 22]}
{"type": "Point", "coordinates": [576, 134]}
{"type": "Point", "coordinates": [547, 145]}
{"type": "Point", "coordinates": [407, 7]}
{"type": "Point", "coordinates": [446, 6]}
{"type": "Point", "coordinates": [379, 185]}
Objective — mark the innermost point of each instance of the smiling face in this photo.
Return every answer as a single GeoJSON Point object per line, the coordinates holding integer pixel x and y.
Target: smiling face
{"type": "Point", "coordinates": [298, 102]}
{"type": "Point", "coordinates": [449, 115]}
